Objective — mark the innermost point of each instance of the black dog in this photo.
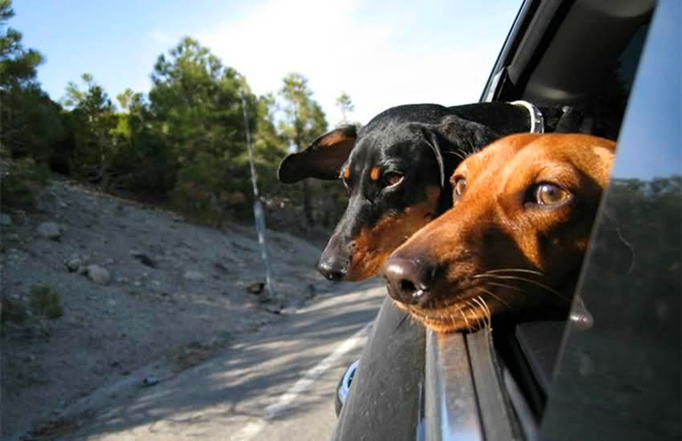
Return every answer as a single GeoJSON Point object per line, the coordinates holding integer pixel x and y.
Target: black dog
{"type": "Point", "coordinates": [395, 169]}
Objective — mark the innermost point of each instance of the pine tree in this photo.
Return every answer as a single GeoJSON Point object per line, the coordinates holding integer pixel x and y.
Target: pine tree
{"type": "Point", "coordinates": [303, 121]}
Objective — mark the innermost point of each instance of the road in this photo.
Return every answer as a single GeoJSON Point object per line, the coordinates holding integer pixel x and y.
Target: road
{"type": "Point", "coordinates": [275, 384]}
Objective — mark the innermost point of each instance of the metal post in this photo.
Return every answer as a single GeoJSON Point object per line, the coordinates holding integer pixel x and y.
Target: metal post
{"type": "Point", "coordinates": [258, 209]}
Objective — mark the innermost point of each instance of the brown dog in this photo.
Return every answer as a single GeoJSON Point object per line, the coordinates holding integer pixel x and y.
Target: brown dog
{"type": "Point", "coordinates": [517, 234]}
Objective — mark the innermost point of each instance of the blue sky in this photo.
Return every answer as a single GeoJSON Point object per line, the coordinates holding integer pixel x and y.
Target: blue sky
{"type": "Point", "coordinates": [382, 53]}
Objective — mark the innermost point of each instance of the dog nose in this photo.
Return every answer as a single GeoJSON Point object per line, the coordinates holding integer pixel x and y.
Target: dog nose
{"type": "Point", "coordinates": [333, 269]}
{"type": "Point", "coordinates": [408, 281]}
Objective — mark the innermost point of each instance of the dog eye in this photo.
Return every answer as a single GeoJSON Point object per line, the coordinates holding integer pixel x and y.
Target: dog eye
{"type": "Point", "coordinates": [459, 185]}
{"type": "Point", "coordinates": [392, 178]}
{"type": "Point", "coordinates": [550, 194]}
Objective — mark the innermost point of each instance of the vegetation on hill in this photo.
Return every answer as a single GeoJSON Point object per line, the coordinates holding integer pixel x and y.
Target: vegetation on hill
{"type": "Point", "coordinates": [182, 143]}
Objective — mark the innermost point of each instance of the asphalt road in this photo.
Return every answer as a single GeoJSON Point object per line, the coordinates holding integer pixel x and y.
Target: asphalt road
{"type": "Point", "coordinates": [276, 384]}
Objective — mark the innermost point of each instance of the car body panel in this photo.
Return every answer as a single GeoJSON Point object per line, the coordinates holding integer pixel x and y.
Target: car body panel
{"type": "Point", "coordinates": [384, 401]}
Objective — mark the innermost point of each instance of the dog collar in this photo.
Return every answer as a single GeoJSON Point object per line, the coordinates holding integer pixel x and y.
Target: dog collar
{"type": "Point", "coordinates": [537, 121]}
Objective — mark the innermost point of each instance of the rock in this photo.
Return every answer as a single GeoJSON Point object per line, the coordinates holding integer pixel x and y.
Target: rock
{"type": "Point", "coordinates": [193, 276]}
{"type": "Point", "coordinates": [5, 220]}
{"type": "Point", "coordinates": [50, 230]}
{"type": "Point", "coordinates": [150, 381]}
{"type": "Point", "coordinates": [256, 288]}
{"type": "Point", "coordinates": [98, 275]}
{"type": "Point", "coordinates": [73, 263]}
{"type": "Point", "coordinates": [143, 258]}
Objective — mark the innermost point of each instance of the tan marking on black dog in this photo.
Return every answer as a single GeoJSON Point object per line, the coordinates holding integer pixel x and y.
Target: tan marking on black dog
{"type": "Point", "coordinates": [374, 245]}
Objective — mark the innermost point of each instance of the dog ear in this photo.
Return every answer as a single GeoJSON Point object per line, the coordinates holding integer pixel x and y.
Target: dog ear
{"type": "Point", "coordinates": [454, 138]}
{"type": "Point", "coordinates": [322, 159]}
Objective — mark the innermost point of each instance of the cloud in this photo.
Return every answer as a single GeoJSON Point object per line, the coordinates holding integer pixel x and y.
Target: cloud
{"type": "Point", "coordinates": [338, 49]}
{"type": "Point", "coordinates": [162, 38]}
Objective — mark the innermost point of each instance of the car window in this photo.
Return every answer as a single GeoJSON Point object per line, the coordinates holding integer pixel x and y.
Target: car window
{"type": "Point", "coordinates": [621, 379]}
{"type": "Point", "coordinates": [586, 58]}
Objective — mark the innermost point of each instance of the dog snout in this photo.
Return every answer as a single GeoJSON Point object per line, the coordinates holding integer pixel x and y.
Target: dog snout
{"type": "Point", "coordinates": [409, 281]}
{"type": "Point", "coordinates": [334, 262]}
{"type": "Point", "coordinates": [333, 269]}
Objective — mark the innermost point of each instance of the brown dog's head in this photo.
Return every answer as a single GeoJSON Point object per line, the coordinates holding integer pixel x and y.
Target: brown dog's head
{"type": "Point", "coordinates": [520, 225]}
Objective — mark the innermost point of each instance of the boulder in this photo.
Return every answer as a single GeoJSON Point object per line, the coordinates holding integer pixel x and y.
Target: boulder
{"type": "Point", "coordinates": [74, 263]}
{"type": "Point", "coordinates": [98, 275]}
{"type": "Point", "coordinates": [50, 230]}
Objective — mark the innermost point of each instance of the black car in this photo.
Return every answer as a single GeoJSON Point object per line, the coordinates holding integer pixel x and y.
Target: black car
{"type": "Point", "coordinates": [611, 370]}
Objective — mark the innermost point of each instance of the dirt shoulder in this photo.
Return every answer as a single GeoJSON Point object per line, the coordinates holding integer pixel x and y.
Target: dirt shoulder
{"type": "Point", "coordinates": [140, 291]}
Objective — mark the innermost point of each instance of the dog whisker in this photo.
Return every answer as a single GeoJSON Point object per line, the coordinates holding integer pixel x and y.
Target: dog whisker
{"type": "Point", "coordinates": [503, 285]}
{"type": "Point", "coordinates": [480, 306]}
{"type": "Point", "coordinates": [496, 297]}
{"type": "Point", "coordinates": [532, 282]}
{"type": "Point", "coordinates": [488, 313]}
{"type": "Point", "coordinates": [467, 306]}
{"type": "Point", "coordinates": [453, 319]}
{"type": "Point", "coordinates": [512, 270]}
{"type": "Point", "coordinates": [464, 316]}
{"type": "Point", "coordinates": [457, 153]}
{"type": "Point", "coordinates": [473, 304]}
{"type": "Point", "coordinates": [402, 320]}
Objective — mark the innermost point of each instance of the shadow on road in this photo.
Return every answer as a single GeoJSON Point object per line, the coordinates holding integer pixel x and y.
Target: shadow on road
{"type": "Point", "coordinates": [237, 384]}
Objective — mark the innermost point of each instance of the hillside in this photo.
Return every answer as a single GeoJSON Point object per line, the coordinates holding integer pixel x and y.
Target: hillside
{"type": "Point", "coordinates": [144, 295]}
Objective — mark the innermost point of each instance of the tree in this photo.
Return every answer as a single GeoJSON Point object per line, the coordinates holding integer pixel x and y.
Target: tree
{"type": "Point", "coordinates": [125, 99]}
{"type": "Point", "coordinates": [345, 104]}
{"type": "Point", "coordinates": [269, 146]}
{"type": "Point", "coordinates": [197, 107]}
{"type": "Point", "coordinates": [29, 120]}
{"type": "Point", "coordinates": [18, 66]}
{"type": "Point", "coordinates": [151, 166]}
{"type": "Point", "coordinates": [93, 123]}
{"type": "Point", "coordinates": [303, 121]}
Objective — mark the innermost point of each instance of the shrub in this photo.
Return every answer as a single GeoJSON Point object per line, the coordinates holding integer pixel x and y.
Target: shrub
{"type": "Point", "coordinates": [12, 311]}
{"type": "Point", "coordinates": [45, 302]}
{"type": "Point", "coordinates": [21, 181]}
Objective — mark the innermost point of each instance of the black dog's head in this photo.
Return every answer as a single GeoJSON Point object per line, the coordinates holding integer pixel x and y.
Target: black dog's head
{"type": "Point", "coordinates": [395, 170]}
